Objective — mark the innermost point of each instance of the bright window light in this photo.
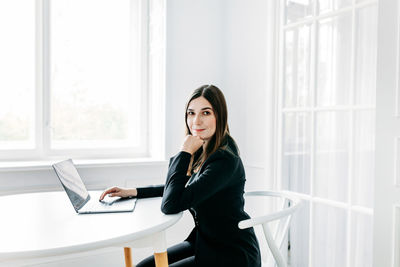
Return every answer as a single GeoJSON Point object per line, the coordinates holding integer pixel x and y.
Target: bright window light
{"type": "Point", "coordinates": [17, 68]}
{"type": "Point", "coordinates": [95, 101]}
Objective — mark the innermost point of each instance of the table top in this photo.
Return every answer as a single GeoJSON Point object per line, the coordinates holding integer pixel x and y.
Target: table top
{"type": "Point", "coordinates": [45, 224]}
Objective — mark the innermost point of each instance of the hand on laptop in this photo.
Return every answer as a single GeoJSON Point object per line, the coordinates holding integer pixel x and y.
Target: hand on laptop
{"type": "Point", "coordinates": [119, 192]}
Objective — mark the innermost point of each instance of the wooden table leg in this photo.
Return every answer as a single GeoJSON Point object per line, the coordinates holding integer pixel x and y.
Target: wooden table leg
{"type": "Point", "coordinates": [128, 257]}
{"type": "Point", "coordinates": [161, 259]}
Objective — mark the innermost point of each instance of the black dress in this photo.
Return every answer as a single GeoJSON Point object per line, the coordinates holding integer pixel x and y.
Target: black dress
{"type": "Point", "coordinates": [214, 197]}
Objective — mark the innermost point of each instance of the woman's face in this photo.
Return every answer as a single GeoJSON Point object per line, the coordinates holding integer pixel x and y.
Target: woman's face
{"type": "Point", "coordinates": [201, 118]}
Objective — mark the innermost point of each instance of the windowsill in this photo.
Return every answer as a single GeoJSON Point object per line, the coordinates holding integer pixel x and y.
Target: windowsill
{"type": "Point", "coordinates": [84, 163]}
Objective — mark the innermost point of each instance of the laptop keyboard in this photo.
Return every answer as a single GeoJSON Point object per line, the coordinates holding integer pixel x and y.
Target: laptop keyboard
{"type": "Point", "coordinates": [94, 206]}
{"type": "Point", "coordinates": [97, 206]}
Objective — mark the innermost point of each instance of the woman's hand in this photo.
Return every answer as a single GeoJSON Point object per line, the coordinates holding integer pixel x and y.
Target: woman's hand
{"type": "Point", "coordinates": [192, 143]}
{"type": "Point", "coordinates": [119, 192]}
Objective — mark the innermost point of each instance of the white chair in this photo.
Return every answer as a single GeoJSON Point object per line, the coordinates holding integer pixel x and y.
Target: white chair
{"type": "Point", "coordinates": [282, 217]}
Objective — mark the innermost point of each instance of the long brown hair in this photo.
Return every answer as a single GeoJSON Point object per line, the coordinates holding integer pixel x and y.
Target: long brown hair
{"type": "Point", "coordinates": [217, 100]}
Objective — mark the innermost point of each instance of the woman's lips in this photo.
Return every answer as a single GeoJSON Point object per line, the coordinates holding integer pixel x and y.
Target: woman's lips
{"type": "Point", "coordinates": [198, 130]}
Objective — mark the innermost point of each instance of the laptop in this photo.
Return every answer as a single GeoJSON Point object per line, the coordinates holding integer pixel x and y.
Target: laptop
{"type": "Point", "coordinates": [80, 197]}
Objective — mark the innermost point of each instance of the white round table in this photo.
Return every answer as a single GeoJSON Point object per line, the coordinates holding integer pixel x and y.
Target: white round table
{"type": "Point", "coordinates": [45, 224]}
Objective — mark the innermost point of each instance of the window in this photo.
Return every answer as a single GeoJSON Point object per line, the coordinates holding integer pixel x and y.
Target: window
{"type": "Point", "coordinates": [79, 77]}
{"type": "Point", "coordinates": [326, 112]}
{"type": "Point", "coordinates": [17, 95]}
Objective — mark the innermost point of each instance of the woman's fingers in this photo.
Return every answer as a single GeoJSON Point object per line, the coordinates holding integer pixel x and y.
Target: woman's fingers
{"type": "Point", "coordinates": [192, 143]}
{"type": "Point", "coordinates": [110, 191]}
{"type": "Point", "coordinates": [102, 195]}
{"type": "Point", "coordinates": [117, 194]}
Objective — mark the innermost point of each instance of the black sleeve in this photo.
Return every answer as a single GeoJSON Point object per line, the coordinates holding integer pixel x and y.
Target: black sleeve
{"type": "Point", "coordinates": [216, 175]}
{"type": "Point", "coordinates": [150, 191]}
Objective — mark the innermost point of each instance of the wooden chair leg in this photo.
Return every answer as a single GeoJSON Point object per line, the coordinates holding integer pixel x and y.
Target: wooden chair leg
{"type": "Point", "coordinates": [161, 259]}
{"type": "Point", "coordinates": [128, 257]}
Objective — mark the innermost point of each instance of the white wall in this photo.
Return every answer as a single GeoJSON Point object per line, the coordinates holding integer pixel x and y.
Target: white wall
{"type": "Point", "coordinates": [250, 99]}
{"type": "Point", "coordinates": [223, 42]}
{"type": "Point", "coordinates": [194, 58]}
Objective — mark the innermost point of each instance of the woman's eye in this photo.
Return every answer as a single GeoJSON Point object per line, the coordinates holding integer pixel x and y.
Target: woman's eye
{"type": "Point", "coordinates": [206, 112]}
{"type": "Point", "coordinates": [190, 113]}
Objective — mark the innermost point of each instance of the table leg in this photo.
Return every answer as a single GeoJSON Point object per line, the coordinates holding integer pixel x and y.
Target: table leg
{"type": "Point", "coordinates": [128, 257]}
{"type": "Point", "coordinates": [161, 259]}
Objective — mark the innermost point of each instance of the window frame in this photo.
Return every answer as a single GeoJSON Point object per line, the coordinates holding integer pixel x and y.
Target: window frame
{"type": "Point", "coordinates": [351, 210]}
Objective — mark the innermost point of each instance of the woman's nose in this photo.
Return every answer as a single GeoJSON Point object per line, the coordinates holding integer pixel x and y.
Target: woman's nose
{"type": "Point", "coordinates": [197, 119]}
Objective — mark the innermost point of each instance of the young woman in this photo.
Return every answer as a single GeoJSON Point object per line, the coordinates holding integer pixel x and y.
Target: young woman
{"type": "Point", "coordinates": [207, 178]}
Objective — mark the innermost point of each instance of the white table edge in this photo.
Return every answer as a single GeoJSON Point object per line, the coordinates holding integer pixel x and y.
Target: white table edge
{"type": "Point", "coordinates": [120, 241]}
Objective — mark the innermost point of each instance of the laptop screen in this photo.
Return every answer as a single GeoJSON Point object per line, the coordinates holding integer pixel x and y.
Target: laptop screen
{"type": "Point", "coordinates": [72, 183]}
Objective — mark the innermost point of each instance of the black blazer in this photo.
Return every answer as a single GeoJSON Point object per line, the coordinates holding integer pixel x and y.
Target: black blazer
{"type": "Point", "coordinates": [214, 197]}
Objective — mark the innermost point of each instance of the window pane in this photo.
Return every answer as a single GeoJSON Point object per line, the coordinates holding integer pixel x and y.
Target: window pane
{"type": "Point", "coordinates": [96, 99]}
{"type": "Point", "coordinates": [298, 9]}
{"type": "Point", "coordinates": [17, 68]}
{"type": "Point", "coordinates": [365, 62]}
{"type": "Point", "coordinates": [333, 65]}
{"type": "Point", "coordinates": [329, 236]}
{"type": "Point", "coordinates": [331, 5]}
{"type": "Point", "coordinates": [299, 237]}
{"type": "Point", "coordinates": [296, 152]}
{"type": "Point", "coordinates": [364, 159]}
{"type": "Point", "coordinates": [332, 155]}
{"type": "Point", "coordinates": [297, 67]}
{"type": "Point", "coordinates": [361, 244]}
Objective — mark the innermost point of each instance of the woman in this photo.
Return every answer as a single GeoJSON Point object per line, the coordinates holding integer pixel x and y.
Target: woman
{"type": "Point", "coordinates": [207, 178]}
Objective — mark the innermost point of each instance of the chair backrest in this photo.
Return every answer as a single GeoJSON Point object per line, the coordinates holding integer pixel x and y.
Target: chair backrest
{"type": "Point", "coordinates": [282, 216]}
